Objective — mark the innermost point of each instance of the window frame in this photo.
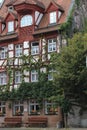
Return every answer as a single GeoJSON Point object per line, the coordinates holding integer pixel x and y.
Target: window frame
{"type": "Point", "coordinates": [17, 108]}
{"type": "Point", "coordinates": [32, 107]}
{"type": "Point", "coordinates": [53, 17]}
{"type": "Point", "coordinates": [2, 108]}
{"type": "Point", "coordinates": [18, 50]}
{"type": "Point", "coordinates": [35, 74]}
{"type": "Point", "coordinates": [35, 48]}
{"type": "Point", "coordinates": [3, 76]}
{"type": "Point", "coordinates": [4, 53]}
{"type": "Point", "coordinates": [18, 77]}
{"type": "Point", "coordinates": [51, 110]}
{"type": "Point", "coordinates": [26, 20]}
{"type": "Point", "coordinates": [10, 26]}
{"type": "Point", "coordinates": [52, 45]}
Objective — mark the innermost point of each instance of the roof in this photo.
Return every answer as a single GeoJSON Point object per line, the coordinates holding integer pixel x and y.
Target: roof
{"type": "Point", "coordinates": [32, 2]}
{"type": "Point", "coordinates": [63, 5]}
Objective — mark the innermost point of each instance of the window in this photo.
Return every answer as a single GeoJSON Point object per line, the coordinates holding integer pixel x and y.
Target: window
{"type": "Point", "coordinates": [1, 2]}
{"type": "Point", "coordinates": [18, 108]}
{"type": "Point", "coordinates": [3, 78]}
{"type": "Point", "coordinates": [11, 26]}
{"type": "Point", "coordinates": [52, 45]}
{"type": "Point", "coordinates": [3, 53]}
{"type": "Point", "coordinates": [18, 77]}
{"type": "Point", "coordinates": [50, 75]}
{"type": "Point", "coordinates": [34, 76]}
{"type": "Point", "coordinates": [51, 108]}
{"type": "Point", "coordinates": [35, 48]}
{"type": "Point", "coordinates": [53, 17]}
{"type": "Point", "coordinates": [2, 108]}
{"type": "Point", "coordinates": [26, 20]}
{"type": "Point", "coordinates": [18, 50]}
{"type": "Point", "coordinates": [34, 107]}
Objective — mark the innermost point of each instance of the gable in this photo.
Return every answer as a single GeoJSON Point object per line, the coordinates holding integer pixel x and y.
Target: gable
{"type": "Point", "coordinates": [51, 7]}
{"type": "Point", "coordinates": [10, 17]}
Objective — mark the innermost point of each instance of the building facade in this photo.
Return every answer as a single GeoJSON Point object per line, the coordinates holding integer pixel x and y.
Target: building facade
{"type": "Point", "coordinates": [26, 28]}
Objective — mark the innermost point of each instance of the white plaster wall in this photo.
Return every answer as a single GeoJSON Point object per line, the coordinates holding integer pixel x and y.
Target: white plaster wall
{"type": "Point", "coordinates": [11, 54]}
{"type": "Point", "coordinates": [11, 47]}
{"type": "Point", "coordinates": [26, 52]}
{"type": "Point", "coordinates": [26, 44]}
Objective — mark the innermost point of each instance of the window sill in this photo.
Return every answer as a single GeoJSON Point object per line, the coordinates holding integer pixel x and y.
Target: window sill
{"type": "Point", "coordinates": [52, 24]}
{"type": "Point", "coordinates": [52, 113]}
{"type": "Point", "coordinates": [2, 115]}
{"type": "Point", "coordinates": [34, 113]}
{"type": "Point", "coordinates": [18, 115]}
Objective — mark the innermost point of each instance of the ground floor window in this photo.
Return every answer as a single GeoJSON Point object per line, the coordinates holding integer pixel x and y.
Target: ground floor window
{"type": "Point", "coordinates": [34, 108]}
{"type": "Point", "coordinates": [51, 108]}
{"type": "Point", "coordinates": [2, 108]}
{"type": "Point", "coordinates": [18, 108]}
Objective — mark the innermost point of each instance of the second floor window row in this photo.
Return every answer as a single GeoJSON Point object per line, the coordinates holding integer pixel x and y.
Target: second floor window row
{"type": "Point", "coordinates": [35, 48]}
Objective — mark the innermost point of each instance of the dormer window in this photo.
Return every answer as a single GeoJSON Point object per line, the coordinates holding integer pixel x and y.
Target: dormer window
{"type": "Point", "coordinates": [53, 17]}
{"type": "Point", "coordinates": [26, 20]}
{"type": "Point", "coordinates": [11, 26]}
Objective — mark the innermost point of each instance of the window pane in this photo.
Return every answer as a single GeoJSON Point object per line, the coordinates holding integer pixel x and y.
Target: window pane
{"type": "Point", "coordinates": [35, 48]}
{"type": "Point", "coordinates": [53, 17]}
{"type": "Point", "coordinates": [3, 78]}
{"type": "Point", "coordinates": [11, 26]}
{"type": "Point", "coordinates": [26, 20]}
{"type": "Point", "coordinates": [34, 76]}
{"type": "Point", "coordinates": [3, 53]}
{"type": "Point", "coordinates": [18, 77]}
{"type": "Point", "coordinates": [52, 45]}
{"type": "Point", "coordinates": [18, 50]}
{"type": "Point", "coordinates": [34, 107]}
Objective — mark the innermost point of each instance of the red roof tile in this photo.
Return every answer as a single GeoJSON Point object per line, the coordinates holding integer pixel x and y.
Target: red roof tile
{"type": "Point", "coordinates": [34, 2]}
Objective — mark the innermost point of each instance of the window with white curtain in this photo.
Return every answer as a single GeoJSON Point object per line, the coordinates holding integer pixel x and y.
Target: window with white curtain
{"type": "Point", "coordinates": [26, 20]}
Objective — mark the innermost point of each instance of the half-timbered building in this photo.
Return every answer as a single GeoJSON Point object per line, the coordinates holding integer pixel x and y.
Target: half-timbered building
{"type": "Point", "coordinates": [26, 26]}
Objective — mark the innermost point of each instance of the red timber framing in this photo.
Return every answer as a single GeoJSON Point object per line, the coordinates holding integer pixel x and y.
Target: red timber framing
{"type": "Point", "coordinates": [25, 29]}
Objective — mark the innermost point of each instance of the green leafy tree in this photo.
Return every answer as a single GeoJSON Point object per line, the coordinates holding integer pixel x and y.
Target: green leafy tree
{"type": "Point", "coordinates": [71, 73]}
